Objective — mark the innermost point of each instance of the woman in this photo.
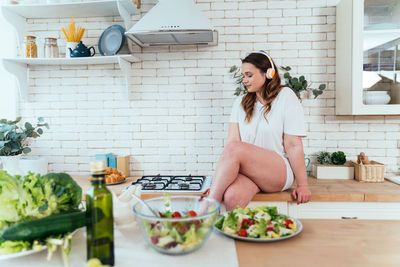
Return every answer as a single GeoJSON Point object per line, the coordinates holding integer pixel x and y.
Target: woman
{"type": "Point", "coordinates": [264, 150]}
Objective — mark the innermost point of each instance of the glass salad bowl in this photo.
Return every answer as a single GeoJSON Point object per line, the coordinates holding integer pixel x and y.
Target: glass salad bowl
{"type": "Point", "coordinates": [184, 223]}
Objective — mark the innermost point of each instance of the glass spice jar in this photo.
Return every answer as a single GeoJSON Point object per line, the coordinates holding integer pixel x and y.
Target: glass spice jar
{"type": "Point", "coordinates": [30, 46]}
{"type": "Point", "coordinates": [51, 48]}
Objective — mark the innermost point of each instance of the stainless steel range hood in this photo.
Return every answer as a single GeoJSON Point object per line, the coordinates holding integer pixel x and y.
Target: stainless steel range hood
{"type": "Point", "coordinates": [173, 22]}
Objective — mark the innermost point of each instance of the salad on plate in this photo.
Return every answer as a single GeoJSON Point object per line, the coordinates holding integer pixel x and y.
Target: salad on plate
{"type": "Point", "coordinates": [259, 223]}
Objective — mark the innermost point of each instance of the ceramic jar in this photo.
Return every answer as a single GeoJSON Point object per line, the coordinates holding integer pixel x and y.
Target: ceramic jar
{"type": "Point", "coordinates": [376, 97]}
{"type": "Point", "coordinates": [68, 45]}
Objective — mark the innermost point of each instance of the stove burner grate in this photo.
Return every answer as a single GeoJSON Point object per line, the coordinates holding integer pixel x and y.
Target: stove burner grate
{"type": "Point", "coordinates": [170, 182]}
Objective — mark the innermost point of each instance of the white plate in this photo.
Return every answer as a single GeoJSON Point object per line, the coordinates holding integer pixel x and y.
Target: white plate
{"type": "Point", "coordinates": [120, 182]}
{"type": "Point", "coordinates": [29, 251]}
{"type": "Point", "coordinates": [111, 40]}
{"type": "Point", "coordinates": [252, 239]}
{"type": "Point", "coordinates": [20, 254]}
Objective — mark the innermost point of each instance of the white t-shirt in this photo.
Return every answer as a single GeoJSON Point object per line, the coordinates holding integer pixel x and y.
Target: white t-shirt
{"type": "Point", "coordinates": [286, 116]}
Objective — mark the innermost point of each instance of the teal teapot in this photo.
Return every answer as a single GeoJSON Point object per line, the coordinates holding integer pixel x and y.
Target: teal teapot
{"type": "Point", "coordinates": [82, 51]}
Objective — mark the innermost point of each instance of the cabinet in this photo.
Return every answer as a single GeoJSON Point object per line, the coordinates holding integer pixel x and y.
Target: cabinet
{"type": "Point", "coordinates": [340, 210]}
{"type": "Point", "coordinates": [337, 210]}
{"type": "Point", "coordinates": [367, 56]}
{"type": "Point", "coordinates": [18, 14]}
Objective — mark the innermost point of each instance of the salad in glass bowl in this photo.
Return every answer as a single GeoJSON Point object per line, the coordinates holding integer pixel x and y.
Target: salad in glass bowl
{"type": "Point", "coordinates": [184, 223]}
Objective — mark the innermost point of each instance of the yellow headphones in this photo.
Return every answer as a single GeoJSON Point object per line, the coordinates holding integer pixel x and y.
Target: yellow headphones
{"type": "Point", "coordinates": [270, 71]}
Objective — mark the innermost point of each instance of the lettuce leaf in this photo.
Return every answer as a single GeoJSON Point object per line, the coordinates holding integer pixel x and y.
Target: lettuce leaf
{"type": "Point", "coordinates": [24, 198]}
{"type": "Point", "coordinates": [231, 221]}
{"type": "Point", "coordinates": [13, 246]}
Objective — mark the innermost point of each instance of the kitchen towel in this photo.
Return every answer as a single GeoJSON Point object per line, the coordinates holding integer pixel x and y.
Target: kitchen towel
{"type": "Point", "coordinates": [132, 250]}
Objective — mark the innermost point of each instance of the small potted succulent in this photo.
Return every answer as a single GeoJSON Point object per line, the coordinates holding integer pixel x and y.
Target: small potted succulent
{"type": "Point", "coordinates": [14, 141]}
{"type": "Point", "coordinates": [332, 166]}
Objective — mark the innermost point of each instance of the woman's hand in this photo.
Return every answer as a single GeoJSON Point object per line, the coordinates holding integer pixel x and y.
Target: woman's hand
{"type": "Point", "coordinates": [302, 194]}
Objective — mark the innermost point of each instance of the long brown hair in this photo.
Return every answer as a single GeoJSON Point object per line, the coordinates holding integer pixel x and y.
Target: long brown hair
{"type": "Point", "coordinates": [270, 89]}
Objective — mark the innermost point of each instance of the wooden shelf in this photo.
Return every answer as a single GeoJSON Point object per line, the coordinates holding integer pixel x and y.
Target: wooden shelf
{"type": "Point", "coordinates": [19, 67]}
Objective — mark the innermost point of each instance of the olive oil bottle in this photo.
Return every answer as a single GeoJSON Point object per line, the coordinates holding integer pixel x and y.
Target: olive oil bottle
{"type": "Point", "coordinates": [99, 212]}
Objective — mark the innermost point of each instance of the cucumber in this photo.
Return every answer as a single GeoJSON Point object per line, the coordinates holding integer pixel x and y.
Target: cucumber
{"type": "Point", "coordinates": [43, 227]}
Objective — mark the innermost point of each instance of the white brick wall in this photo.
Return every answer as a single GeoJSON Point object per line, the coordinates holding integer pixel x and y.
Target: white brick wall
{"type": "Point", "coordinates": [180, 97]}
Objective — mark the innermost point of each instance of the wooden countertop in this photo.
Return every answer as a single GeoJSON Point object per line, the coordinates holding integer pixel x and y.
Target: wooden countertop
{"type": "Point", "coordinates": [341, 191]}
{"type": "Point", "coordinates": [323, 242]}
{"type": "Point", "coordinates": [329, 243]}
{"type": "Point", "coordinates": [322, 191]}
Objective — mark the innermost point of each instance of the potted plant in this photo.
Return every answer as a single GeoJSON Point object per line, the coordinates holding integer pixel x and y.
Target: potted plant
{"type": "Point", "coordinates": [298, 84]}
{"type": "Point", "coordinates": [14, 140]}
{"type": "Point", "coordinates": [332, 166]}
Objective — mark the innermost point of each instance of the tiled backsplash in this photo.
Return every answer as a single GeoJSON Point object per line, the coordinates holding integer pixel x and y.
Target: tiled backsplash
{"type": "Point", "coordinates": [176, 117]}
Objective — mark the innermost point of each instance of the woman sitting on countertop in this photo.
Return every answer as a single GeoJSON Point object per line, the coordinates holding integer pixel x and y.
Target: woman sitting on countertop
{"type": "Point", "coordinates": [264, 150]}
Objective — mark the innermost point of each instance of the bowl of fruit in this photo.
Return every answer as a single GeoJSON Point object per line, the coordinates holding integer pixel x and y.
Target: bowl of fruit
{"type": "Point", "coordinates": [182, 225]}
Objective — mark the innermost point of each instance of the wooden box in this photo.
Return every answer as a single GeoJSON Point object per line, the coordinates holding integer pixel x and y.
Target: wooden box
{"type": "Point", "coordinates": [374, 172]}
{"type": "Point", "coordinates": [343, 172]}
{"type": "Point", "coordinates": [123, 165]}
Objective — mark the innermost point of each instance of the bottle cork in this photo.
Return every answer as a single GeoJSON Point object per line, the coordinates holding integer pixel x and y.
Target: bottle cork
{"type": "Point", "coordinates": [98, 167]}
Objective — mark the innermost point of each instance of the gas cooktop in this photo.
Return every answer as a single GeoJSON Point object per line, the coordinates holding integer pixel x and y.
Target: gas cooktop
{"type": "Point", "coordinates": [173, 183]}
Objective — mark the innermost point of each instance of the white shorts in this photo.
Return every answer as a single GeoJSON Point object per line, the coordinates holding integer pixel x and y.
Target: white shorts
{"type": "Point", "coordinates": [289, 175]}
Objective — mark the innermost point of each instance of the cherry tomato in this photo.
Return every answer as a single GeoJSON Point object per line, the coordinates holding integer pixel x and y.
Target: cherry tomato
{"type": "Point", "coordinates": [176, 214]}
{"type": "Point", "coordinates": [246, 223]}
{"type": "Point", "coordinates": [287, 222]}
{"type": "Point", "coordinates": [192, 213]}
{"type": "Point", "coordinates": [182, 229]}
{"type": "Point", "coordinates": [242, 232]}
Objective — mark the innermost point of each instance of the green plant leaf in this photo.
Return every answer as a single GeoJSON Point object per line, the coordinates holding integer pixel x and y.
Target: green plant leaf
{"type": "Point", "coordinates": [301, 79]}
{"type": "Point", "coordinates": [28, 126]}
{"type": "Point", "coordinates": [3, 143]}
{"type": "Point", "coordinates": [15, 147]}
{"type": "Point", "coordinates": [316, 93]}
{"type": "Point", "coordinates": [286, 75]}
{"type": "Point", "coordinates": [12, 136]}
{"type": "Point", "coordinates": [322, 86]}
{"type": "Point", "coordinates": [338, 158]}
{"type": "Point", "coordinates": [18, 119]}
{"type": "Point", "coordinates": [294, 80]}
{"type": "Point", "coordinates": [233, 68]}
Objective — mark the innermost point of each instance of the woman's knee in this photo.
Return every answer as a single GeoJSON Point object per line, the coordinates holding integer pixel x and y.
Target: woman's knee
{"type": "Point", "coordinates": [232, 150]}
{"type": "Point", "coordinates": [233, 198]}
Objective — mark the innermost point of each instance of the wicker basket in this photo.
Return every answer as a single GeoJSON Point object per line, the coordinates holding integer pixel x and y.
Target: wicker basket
{"type": "Point", "coordinates": [373, 172]}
